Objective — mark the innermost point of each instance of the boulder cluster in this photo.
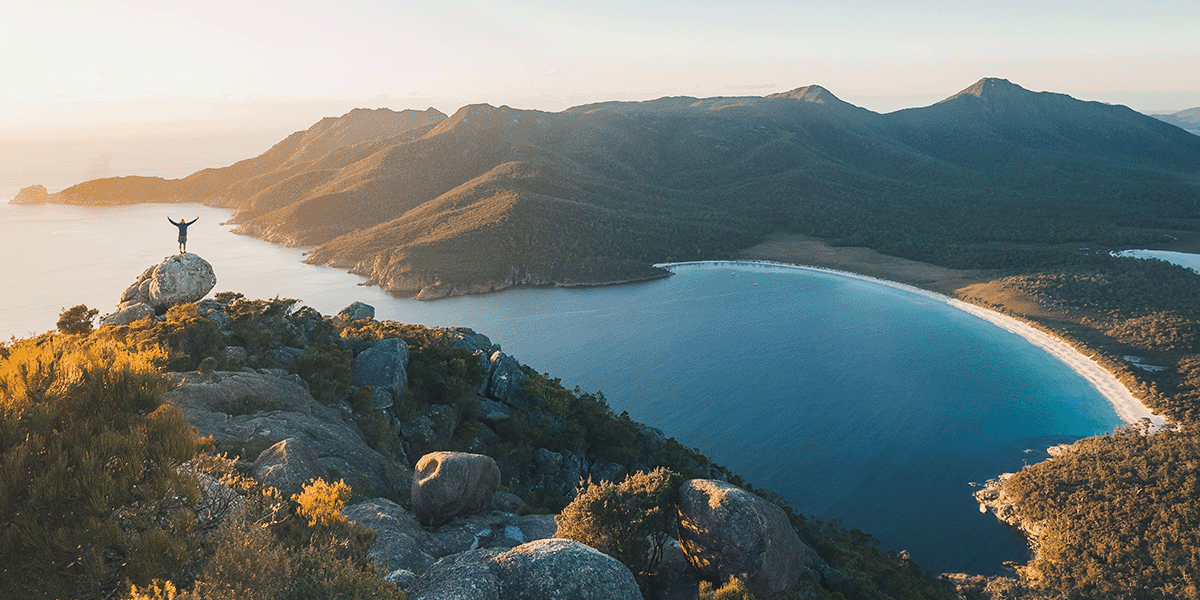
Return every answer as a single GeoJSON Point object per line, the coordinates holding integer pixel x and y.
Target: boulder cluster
{"type": "Point", "coordinates": [178, 279]}
{"type": "Point", "coordinates": [458, 534]}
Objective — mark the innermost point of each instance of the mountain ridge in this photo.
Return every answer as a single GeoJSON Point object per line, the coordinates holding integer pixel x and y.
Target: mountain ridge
{"type": "Point", "coordinates": [489, 197]}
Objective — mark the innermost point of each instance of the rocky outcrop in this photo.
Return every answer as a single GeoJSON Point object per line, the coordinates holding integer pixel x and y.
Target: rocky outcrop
{"type": "Point", "coordinates": [542, 570]}
{"type": "Point", "coordinates": [178, 279]}
{"type": "Point", "coordinates": [449, 484]}
{"type": "Point", "coordinates": [993, 497]}
{"type": "Point", "coordinates": [383, 366]}
{"type": "Point", "coordinates": [248, 412]}
{"type": "Point", "coordinates": [401, 542]}
{"type": "Point", "coordinates": [357, 310]}
{"type": "Point", "coordinates": [504, 380]}
{"type": "Point", "coordinates": [729, 532]}
{"type": "Point", "coordinates": [288, 466]}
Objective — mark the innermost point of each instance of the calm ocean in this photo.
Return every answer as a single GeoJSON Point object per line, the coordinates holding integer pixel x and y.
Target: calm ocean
{"type": "Point", "coordinates": [854, 400]}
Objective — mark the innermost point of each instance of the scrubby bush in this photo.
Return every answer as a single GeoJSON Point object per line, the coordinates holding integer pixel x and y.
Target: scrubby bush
{"type": "Point", "coordinates": [630, 521]}
{"type": "Point", "coordinates": [89, 491]}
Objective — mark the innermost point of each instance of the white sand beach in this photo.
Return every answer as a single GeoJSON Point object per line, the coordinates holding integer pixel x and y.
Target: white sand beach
{"type": "Point", "coordinates": [1128, 407]}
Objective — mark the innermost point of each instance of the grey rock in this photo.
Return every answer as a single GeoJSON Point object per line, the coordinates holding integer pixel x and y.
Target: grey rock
{"type": "Point", "coordinates": [357, 310]}
{"type": "Point", "coordinates": [507, 502]}
{"type": "Point", "coordinates": [490, 411]}
{"type": "Point", "coordinates": [449, 484]}
{"type": "Point", "coordinates": [235, 355]}
{"type": "Point", "coordinates": [295, 414]}
{"type": "Point", "coordinates": [464, 576]}
{"type": "Point", "coordinates": [536, 527]}
{"type": "Point", "coordinates": [506, 380]}
{"type": "Point", "coordinates": [468, 339]}
{"type": "Point", "coordinates": [562, 569]}
{"type": "Point", "coordinates": [382, 366]}
{"type": "Point", "coordinates": [178, 279]}
{"type": "Point", "coordinates": [288, 465]}
{"type": "Point", "coordinates": [547, 462]}
{"type": "Point", "coordinates": [726, 531]}
{"type": "Point", "coordinates": [403, 578]}
{"type": "Point", "coordinates": [381, 399]}
{"type": "Point", "coordinates": [214, 311]}
{"type": "Point", "coordinates": [284, 357]}
{"type": "Point", "coordinates": [130, 312]}
{"type": "Point", "coordinates": [430, 430]}
{"type": "Point", "coordinates": [607, 472]}
{"type": "Point", "coordinates": [400, 543]}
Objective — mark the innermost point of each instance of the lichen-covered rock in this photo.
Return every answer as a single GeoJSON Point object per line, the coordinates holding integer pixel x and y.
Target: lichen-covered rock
{"type": "Point", "coordinates": [288, 465]}
{"type": "Point", "coordinates": [562, 569]}
{"type": "Point", "coordinates": [356, 311]}
{"type": "Point", "coordinates": [506, 380]}
{"type": "Point", "coordinates": [383, 366]}
{"type": "Point", "coordinates": [178, 279]}
{"type": "Point", "coordinates": [128, 313]}
{"type": "Point", "coordinates": [729, 532]}
{"type": "Point", "coordinates": [449, 484]}
{"type": "Point", "coordinates": [400, 543]}
{"type": "Point", "coordinates": [464, 576]}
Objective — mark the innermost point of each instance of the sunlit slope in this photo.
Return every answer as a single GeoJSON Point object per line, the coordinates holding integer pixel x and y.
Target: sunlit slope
{"type": "Point", "coordinates": [993, 177]}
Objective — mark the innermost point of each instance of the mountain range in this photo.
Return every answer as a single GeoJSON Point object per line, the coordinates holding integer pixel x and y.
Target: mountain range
{"type": "Point", "coordinates": [423, 203]}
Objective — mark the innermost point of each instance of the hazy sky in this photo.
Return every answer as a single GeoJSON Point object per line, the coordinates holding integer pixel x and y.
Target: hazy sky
{"type": "Point", "coordinates": [77, 62]}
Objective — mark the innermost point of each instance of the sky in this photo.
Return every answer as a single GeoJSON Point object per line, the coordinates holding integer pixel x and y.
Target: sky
{"type": "Point", "coordinates": [251, 71]}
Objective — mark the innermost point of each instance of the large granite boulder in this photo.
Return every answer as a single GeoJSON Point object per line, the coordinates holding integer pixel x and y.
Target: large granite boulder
{"type": "Point", "coordinates": [383, 366]}
{"type": "Point", "coordinates": [563, 569]}
{"type": "Point", "coordinates": [178, 279]}
{"type": "Point", "coordinates": [247, 412]}
{"type": "Point", "coordinates": [288, 465]}
{"type": "Point", "coordinates": [543, 570]}
{"type": "Point", "coordinates": [729, 532]}
{"type": "Point", "coordinates": [449, 484]}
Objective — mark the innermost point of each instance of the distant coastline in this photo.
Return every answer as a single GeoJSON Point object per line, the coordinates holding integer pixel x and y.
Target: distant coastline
{"type": "Point", "coordinates": [1128, 407]}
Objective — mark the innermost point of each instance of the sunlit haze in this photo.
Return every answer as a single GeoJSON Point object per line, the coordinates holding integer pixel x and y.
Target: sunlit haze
{"type": "Point", "coordinates": [247, 74]}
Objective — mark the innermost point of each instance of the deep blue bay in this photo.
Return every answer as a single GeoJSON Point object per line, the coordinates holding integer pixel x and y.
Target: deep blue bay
{"type": "Point", "coordinates": [854, 400]}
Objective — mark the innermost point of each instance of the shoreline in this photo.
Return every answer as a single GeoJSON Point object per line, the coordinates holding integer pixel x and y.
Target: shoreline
{"type": "Point", "coordinates": [1127, 407]}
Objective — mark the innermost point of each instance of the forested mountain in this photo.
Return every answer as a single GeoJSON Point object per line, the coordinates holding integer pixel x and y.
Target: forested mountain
{"type": "Point", "coordinates": [491, 197]}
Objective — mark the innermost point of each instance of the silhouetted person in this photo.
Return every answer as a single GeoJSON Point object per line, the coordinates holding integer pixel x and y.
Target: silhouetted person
{"type": "Point", "coordinates": [183, 232]}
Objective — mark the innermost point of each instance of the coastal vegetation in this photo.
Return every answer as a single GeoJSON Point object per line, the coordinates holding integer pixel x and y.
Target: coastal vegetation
{"type": "Point", "coordinates": [109, 492]}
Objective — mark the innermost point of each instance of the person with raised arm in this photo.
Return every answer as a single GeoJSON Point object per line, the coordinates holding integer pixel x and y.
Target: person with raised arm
{"type": "Point", "coordinates": [182, 225]}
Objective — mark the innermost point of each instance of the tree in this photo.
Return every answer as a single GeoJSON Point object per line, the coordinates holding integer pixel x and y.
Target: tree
{"type": "Point", "coordinates": [77, 319]}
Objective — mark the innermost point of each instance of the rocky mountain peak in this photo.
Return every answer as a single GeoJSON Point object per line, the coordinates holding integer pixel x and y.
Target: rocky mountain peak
{"type": "Point", "coordinates": [810, 93]}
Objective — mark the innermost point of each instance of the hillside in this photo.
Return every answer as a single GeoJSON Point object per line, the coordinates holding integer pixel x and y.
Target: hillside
{"type": "Point", "coordinates": [419, 203]}
{"type": "Point", "coordinates": [1187, 119]}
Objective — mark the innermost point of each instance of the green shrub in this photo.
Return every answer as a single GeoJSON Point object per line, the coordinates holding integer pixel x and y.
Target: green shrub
{"type": "Point", "coordinates": [629, 521]}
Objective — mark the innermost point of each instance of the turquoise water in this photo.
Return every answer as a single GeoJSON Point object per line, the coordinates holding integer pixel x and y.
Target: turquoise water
{"type": "Point", "coordinates": [854, 400]}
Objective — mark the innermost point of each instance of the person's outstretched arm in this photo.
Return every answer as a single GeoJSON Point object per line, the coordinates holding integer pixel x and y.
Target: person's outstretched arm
{"type": "Point", "coordinates": [173, 222]}
{"type": "Point", "coordinates": [193, 220]}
